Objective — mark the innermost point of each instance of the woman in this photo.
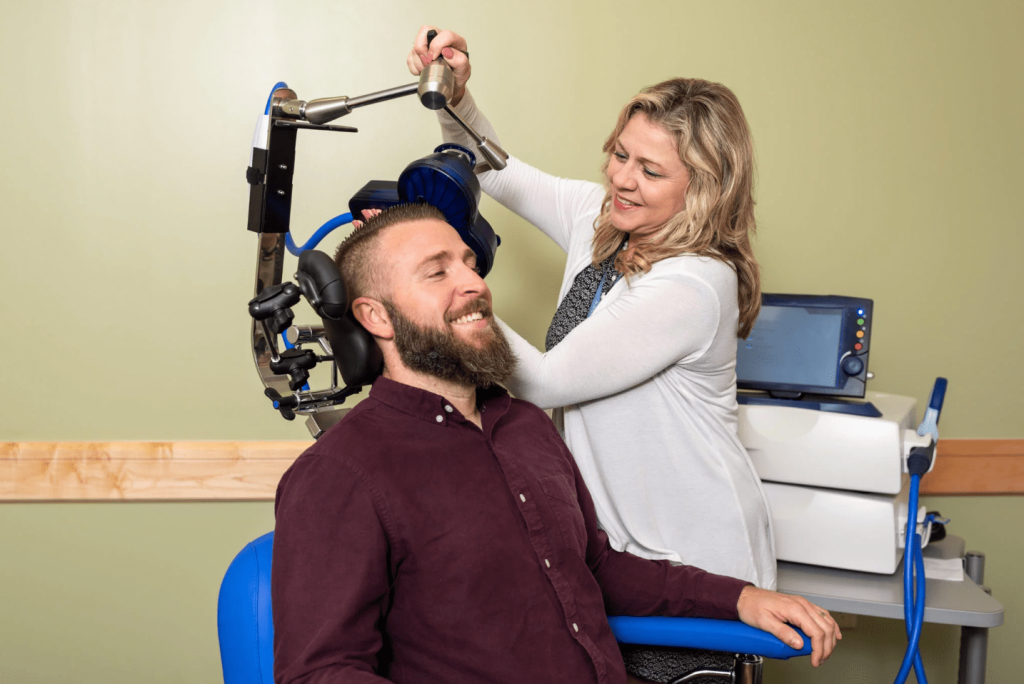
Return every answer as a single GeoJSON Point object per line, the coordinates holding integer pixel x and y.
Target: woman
{"type": "Point", "coordinates": [659, 283]}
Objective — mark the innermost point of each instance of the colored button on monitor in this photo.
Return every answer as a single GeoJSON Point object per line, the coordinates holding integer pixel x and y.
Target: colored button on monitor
{"type": "Point", "coordinates": [860, 333]}
{"type": "Point", "coordinates": [858, 346]}
{"type": "Point", "coordinates": [860, 321]}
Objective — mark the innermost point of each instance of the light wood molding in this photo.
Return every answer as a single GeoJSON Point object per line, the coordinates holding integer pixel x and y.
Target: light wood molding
{"type": "Point", "coordinates": [153, 471]}
{"type": "Point", "coordinates": [976, 466]}
{"type": "Point", "coordinates": [250, 471]}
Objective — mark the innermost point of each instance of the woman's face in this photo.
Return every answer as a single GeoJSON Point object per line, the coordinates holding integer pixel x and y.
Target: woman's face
{"type": "Point", "coordinates": [646, 177]}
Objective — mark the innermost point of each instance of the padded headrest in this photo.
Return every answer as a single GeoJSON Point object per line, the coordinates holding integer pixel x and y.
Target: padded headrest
{"type": "Point", "coordinates": [355, 351]}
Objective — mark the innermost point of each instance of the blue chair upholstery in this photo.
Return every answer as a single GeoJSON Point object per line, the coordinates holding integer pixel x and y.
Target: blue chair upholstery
{"type": "Point", "coordinates": [246, 629]}
{"type": "Point", "coordinates": [713, 635]}
{"type": "Point", "coordinates": [245, 623]}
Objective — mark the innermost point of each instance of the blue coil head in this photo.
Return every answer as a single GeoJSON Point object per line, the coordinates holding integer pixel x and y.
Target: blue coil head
{"type": "Point", "coordinates": [445, 179]}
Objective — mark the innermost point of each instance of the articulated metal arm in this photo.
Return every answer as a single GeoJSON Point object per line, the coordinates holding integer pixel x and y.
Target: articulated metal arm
{"type": "Point", "coordinates": [327, 109]}
{"type": "Point", "coordinates": [284, 371]}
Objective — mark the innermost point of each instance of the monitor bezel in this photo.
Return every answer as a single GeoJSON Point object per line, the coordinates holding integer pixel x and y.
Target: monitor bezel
{"type": "Point", "coordinates": [851, 386]}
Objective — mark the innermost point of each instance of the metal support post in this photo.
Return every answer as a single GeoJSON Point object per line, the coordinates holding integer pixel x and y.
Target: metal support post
{"type": "Point", "coordinates": [973, 640]}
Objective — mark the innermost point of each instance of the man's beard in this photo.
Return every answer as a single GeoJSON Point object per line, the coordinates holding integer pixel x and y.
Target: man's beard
{"type": "Point", "coordinates": [441, 354]}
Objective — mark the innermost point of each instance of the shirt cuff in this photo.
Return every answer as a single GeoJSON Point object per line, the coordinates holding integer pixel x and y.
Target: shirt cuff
{"type": "Point", "coordinates": [721, 596]}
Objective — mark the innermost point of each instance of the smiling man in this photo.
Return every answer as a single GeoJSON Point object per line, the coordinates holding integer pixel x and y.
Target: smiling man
{"type": "Point", "coordinates": [441, 531]}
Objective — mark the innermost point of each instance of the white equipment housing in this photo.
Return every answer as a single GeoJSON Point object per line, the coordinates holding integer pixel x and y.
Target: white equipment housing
{"type": "Point", "coordinates": [836, 483]}
{"type": "Point", "coordinates": [837, 529]}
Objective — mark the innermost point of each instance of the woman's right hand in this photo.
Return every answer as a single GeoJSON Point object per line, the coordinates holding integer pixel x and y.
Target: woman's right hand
{"type": "Point", "coordinates": [447, 44]}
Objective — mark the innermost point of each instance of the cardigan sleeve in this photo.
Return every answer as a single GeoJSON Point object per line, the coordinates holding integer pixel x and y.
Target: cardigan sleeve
{"type": "Point", "coordinates": [659, 320]}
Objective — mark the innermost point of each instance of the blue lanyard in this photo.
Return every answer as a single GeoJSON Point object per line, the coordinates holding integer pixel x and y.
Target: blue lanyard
{"type": "Point", "coordinates": [604, 276]}
{"type": "Point", "coordinates": [600, 289]}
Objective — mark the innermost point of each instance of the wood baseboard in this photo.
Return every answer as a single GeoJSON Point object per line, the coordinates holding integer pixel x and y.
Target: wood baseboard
{"type": "Point", "coordinates": [250, 471]}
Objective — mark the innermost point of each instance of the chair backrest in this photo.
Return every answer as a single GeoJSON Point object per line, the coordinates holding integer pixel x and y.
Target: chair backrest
{"type": "Point", "coordinates": [245, 624]}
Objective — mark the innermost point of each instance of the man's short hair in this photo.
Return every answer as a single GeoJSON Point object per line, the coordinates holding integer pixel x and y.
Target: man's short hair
{"type": "Point", "coordinates": [361, 267]}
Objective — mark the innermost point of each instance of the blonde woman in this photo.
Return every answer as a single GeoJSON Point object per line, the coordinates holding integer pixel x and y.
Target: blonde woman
{"type": "Point", "coordinates": [640, 357]}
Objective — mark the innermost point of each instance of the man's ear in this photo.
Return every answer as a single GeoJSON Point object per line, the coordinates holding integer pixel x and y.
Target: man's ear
{"type": "Point", "coordinates": [372, 315]}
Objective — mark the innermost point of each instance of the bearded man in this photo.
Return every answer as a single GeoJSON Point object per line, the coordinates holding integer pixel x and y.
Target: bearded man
{"type": "Point", "coordinates": [441, 531]}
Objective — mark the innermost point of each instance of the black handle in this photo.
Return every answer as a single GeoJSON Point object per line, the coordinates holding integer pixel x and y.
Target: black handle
{"type": "Point", "coordinates": [431, 35]}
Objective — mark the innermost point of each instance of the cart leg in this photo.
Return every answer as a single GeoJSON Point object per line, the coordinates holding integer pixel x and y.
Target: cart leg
{"type": "Point", "coordinates": [973, 640]}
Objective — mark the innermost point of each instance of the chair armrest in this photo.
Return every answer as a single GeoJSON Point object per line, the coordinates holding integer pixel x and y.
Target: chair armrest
{"type": "Point", "coordinates": [716, 635]}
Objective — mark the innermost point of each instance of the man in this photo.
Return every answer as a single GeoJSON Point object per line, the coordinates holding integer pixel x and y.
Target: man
{"type": "Point", "coordinates": [441, 531]}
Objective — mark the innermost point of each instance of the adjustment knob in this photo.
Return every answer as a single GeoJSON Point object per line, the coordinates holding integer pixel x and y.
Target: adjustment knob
{"type": "Point", "coordinates": [852, 365]}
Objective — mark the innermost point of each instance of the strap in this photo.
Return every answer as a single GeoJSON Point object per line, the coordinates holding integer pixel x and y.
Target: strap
{"type": "Point", "coordinates": [600, 290]}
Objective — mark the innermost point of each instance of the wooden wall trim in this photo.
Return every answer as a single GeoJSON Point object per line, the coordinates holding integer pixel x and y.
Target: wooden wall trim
{"type": "Point", "coordinates": [144, 471]}
{"type": "Point", "coordinates": [250, 471]}
{"type": "Point", "coordinates": [976, 466]}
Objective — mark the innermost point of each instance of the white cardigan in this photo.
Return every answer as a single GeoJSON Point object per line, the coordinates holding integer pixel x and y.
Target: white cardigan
{"type": "Point", "coordinates": [648, 386]}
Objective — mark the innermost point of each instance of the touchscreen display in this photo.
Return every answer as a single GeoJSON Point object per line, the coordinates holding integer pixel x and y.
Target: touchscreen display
{"type": "Point", "coordinates": [792, 345]}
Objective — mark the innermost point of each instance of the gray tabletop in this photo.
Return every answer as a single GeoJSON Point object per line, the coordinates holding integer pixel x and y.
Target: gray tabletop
{"type": "Point", "coordinates": [861, 593]}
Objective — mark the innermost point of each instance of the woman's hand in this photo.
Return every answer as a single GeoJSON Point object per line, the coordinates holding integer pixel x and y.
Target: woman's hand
{"type": "Point", "coordinates": [771, 611]}
{"type": "Point", "coordinates": [449, 45]}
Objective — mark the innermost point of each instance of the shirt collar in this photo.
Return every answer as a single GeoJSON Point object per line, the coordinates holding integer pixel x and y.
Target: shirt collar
{"type": "Point", "coordinates": [428, 406]}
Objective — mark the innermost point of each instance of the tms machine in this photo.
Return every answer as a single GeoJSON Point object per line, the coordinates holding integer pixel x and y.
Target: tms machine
{"type": "Point", "coordinates": [832, 455]}
{"type": "Point", "coordinates": [841, 465]}
{"type": "Point", "coordinates": [445, 179]}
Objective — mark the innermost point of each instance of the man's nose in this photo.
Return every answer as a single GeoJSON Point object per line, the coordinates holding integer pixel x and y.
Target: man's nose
{"type": "Point", "coordinates": [470, 282]}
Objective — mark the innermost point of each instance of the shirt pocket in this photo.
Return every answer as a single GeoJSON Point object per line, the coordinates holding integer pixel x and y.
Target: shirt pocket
{"type": "Point", "coordinates": [561, 496]}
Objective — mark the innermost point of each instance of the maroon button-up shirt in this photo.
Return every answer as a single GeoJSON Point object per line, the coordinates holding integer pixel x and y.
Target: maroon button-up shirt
{"type": "Point", "coordinates": [413, 546]}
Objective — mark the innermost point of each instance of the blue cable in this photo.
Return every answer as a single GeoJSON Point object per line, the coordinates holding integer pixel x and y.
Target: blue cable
{"type": "Point", "coordinates": [918, 463]}
{"type": "Point", "coordinates": [279, 84]}
{"type": "Point", "coordinates": [319, 235]}
{"type": "Point", "coordinates": [919, 607]}
{"type": "Point", "coordinates": [913, 606]}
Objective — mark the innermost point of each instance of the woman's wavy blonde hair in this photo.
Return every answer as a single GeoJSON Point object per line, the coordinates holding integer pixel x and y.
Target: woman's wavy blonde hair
{"type": "Point", "coordinates": [716, 147]}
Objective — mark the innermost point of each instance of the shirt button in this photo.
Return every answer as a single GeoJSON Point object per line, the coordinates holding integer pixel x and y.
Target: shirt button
{"type": "Point", "coordinates": [440, 419]}
{"type": "Point", "coordinates": [575, 627]}
{"type": "Point", "coordinates": [521, 497]}
{"type": "Point", "coordinates": [448, 408]}
{"type": "Point", "coordinates": [547, 562]}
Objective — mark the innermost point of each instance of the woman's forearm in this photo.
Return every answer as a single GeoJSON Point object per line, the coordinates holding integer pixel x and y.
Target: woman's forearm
{"type": "Point", "coordinates": [656, 323]}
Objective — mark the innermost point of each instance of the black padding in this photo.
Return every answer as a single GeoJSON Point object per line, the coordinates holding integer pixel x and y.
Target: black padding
{"type": "Point", "coordinates": [356, 352]}
{"type": "Point", "coordinates": [324, 288]}
{"type": "Point", "coordinates": [358, 357]}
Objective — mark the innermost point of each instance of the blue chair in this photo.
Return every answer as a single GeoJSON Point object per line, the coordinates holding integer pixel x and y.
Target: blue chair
{"type": "Point", "coordinates": [246, 630]}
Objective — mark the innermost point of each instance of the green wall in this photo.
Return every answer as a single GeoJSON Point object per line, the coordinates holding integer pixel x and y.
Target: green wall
{"type": "Point", "coordinates": [888, 139]}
